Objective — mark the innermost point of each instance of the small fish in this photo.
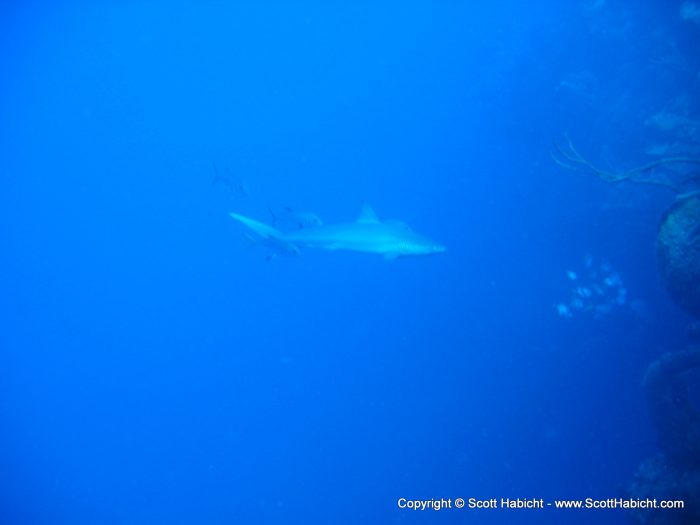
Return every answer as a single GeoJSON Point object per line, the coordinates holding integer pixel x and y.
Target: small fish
{"type": "Point", "coordinates": [571, 275]}
{"type": "Point", "coordinates": [621, 296]}
{"type": "Point", "coordinates": [234, 185]}
{"type": "Point", "coordinates": [613, 281]}
{"type": "Point", "coordinates": [603, 309]}
{"type": "Point", "coordinates": [577, 304]}
{"type": "Point", "coordinates": [300, 219]}
{"type": "Point", "coordinates": [583, 291]}
{"type": "Point", "coordinates": [563, 310]}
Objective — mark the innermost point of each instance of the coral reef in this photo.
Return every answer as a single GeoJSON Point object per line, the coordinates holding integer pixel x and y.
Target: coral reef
{"type": "Point", "coordinates": [678, 250]}
{"type": "Point", "coordinates": [676, 421]}
{"type": "Point", "coordinates": [673, 474]}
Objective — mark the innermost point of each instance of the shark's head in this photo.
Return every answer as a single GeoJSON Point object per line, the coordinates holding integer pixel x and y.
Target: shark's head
{"type": "Point", "coordinates": [410, 243]}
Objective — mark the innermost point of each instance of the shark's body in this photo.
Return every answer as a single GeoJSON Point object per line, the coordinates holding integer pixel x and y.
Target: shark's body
{"type": "Point", "coordinates": [368, 234]}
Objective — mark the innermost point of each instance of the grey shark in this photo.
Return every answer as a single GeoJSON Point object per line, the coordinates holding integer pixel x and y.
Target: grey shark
{"type": "Point", "coordinates": [368, 234]}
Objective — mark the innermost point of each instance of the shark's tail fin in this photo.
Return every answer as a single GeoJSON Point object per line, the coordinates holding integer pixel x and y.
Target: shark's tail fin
{"type": "Point", "coordinates": [260, 229]}
{"type": "Point", "coordinates": [266, 235]}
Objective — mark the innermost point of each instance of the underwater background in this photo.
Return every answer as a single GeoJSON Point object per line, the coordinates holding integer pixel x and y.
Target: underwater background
{"type": "Point", "coordinates": [156, 368]}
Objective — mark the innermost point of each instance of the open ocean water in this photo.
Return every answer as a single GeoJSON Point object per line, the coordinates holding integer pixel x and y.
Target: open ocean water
{"type": "Point", "coordinates": [161, 362]}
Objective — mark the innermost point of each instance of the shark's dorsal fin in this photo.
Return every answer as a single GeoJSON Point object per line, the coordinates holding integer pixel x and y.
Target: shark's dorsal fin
{"type": "Point", "coordinates": [367, 215]}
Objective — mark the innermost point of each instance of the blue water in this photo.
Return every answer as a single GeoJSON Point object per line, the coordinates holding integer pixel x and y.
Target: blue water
{"type": "Point", "coordinates": [155, 368]}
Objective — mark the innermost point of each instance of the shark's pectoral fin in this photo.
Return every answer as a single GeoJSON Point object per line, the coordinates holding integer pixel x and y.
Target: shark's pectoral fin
{"type": "Point", "coordinates": [391, 256]}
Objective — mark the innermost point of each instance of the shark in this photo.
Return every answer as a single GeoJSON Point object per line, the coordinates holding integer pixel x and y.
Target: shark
{"type": "Point", "coordinates": [368, 234]}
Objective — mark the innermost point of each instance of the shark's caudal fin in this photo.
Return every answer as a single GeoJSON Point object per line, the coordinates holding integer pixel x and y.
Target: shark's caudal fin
{"type": "Point", "coordinates": [266, 235]}
{"type": "Point", "coordinates": [260, 229]}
